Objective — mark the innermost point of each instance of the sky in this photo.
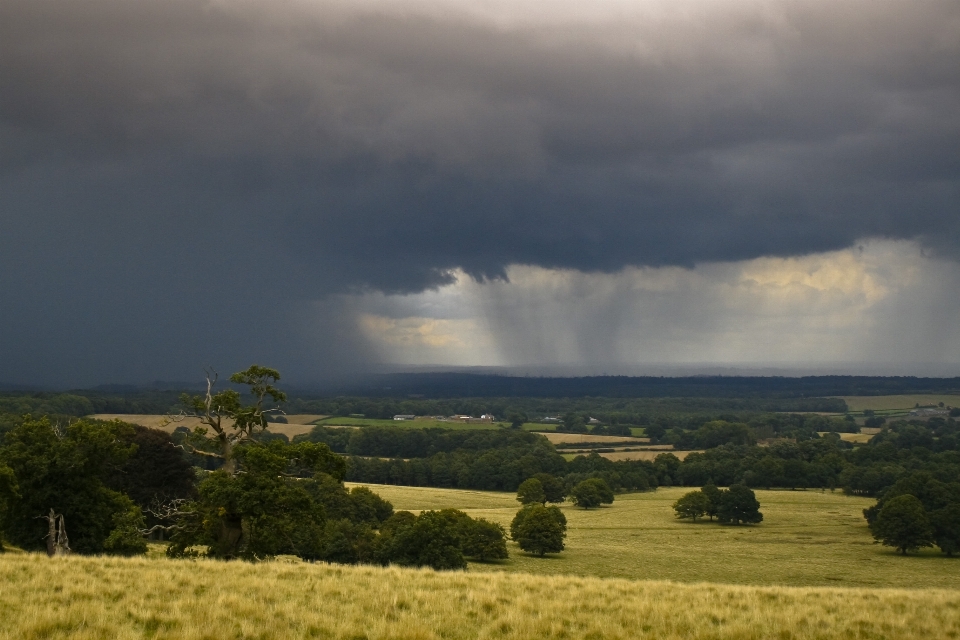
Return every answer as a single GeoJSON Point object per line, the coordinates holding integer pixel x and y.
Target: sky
{"type": "Point", "coordinates": [332, 187]}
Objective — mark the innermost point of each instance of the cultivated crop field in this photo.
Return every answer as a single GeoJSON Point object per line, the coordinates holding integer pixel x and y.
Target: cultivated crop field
{"type": "Point", "coordinates": [408, 424]}
{"type": "Point", "coordinates": [890, 403]}
{"type": "Point", "coordinates": [86, 598]}
{"type": "Point", "coordinates": [295, 425]}
{"type": "Point", "coordinates": [807, 538]}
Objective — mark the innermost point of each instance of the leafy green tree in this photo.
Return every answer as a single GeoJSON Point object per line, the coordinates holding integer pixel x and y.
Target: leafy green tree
{"type": "Point", "coordinates": [432, 539]}
{"type": "Point", "coordinates": [263, 511]}
{"type": "Point", "coordinates": [903, 524]}
{"type": "Point", "coordinates": [63, 469]}
{"type": "Point", "coordinates": [946, 528]}
{"type": "Point", "coordinates": [585, 495]}
{"type": "Point", "coordinates": [369, 507]}
{"type": "Point", "coordinates": [574, 423]}
{"type": "Point", "coordinates": [591, 493]}
{"type": "Point", "coordinates": [483, 540]}
{"type": "Point", "coordinates": [692, 505]}
{"type": "Point", "coordinates": [157, 471]}
{"type": "Point", "coordinates": [539, 530]}
{"type": "Point", "coordinates": [739, 504]}
{"type": "Point", "coordinates": [517, 418]}
{"type": "Point", "coordinates": [713, 494]}
{"type": "Point", "coordinates": [552, 487]}
{"type": "Point", "coordinates": [347, 542]}
{"type": "Point", "coordinates": [8, 494]}
{"type": "Point", "coordinates": [531, 491]}
{"type": "Point", "coordinates": [224, 412]}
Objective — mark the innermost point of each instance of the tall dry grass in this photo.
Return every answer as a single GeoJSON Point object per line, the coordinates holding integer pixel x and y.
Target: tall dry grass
{"type": "Point", "coordinates": [82, 598]}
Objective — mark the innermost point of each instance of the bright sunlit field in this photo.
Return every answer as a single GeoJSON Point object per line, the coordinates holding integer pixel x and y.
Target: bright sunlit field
{"type": "Point", "coordinates": [87, 598]}
{"type": "Point", "coordinates": [806, 538]}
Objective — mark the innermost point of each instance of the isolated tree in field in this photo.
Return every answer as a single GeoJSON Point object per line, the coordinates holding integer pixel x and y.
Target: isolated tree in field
{"type": "Point", "coordinates": [585, 495]}
{"type": "Point", "coordinates": [591, 493]}
{"type": "Point", "coordinates": [224, 412]}
{"type": "Point", "coordinates": [552, 487]}
{"type": "Point", "coordinates": [516, 418]}
{"type": "Point", "coordinates": [712, 493]}
{"type": "Point", "coordinates": [903, 524]}
{"type": "Point", "coordinates": [692, 505]}
{"type": "Point", "coordinates": [539, 530]}
{"type": "Point", "coordinates": [739, 504]}
{"type": "Point", "coordinates": [531, 491]}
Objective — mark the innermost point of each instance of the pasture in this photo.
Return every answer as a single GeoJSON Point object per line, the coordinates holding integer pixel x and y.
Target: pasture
{"type": "Point", "coordinates": [807, 538]}
{"type": "Point", "coordinates": [86, 598]}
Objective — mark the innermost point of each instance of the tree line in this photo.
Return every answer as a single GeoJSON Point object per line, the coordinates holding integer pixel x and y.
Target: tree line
{"type": "Point", "coordinates": [92, 486]}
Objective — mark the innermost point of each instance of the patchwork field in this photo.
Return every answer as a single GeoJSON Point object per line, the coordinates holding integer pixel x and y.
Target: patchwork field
{"type": "Point", "coordinates": [807, 538]}
{"type": "Point", "coordinates": [575, 438]}
{"type": "Point", "coordinates": [94, 598]}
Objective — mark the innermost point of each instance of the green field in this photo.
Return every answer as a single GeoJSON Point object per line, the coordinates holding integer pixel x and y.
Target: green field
{"type": "Point", "coordinates": [806, 538]}
{"type": "Point", "coordinates": [893, 403]}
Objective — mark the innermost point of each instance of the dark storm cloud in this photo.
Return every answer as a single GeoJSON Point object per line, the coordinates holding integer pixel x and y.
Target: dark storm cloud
{"type": "Point", "coordinates": [164, 163]}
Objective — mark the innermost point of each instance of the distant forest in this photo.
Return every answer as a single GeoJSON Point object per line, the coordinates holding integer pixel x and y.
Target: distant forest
{"type": "Point", "coordinates": [633, 399]}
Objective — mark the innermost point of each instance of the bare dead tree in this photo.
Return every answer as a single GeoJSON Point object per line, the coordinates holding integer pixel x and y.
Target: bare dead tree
{"type": "Point", "coordinates": [57, 542]}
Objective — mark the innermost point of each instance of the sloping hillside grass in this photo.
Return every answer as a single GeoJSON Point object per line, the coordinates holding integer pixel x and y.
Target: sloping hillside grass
{"type": "Point", "coordinates": [807, 538]}
{"type": "Point", "coordinates": [87, 598]}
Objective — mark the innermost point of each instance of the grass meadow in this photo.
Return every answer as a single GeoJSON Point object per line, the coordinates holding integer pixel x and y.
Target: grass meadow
{"type": "Point", "coordinates": [87, 598]}
{"type": "Point", "coordinates": [807, 538]}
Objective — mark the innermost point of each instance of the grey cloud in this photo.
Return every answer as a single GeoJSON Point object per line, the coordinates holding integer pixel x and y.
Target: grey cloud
{"type": "Point", "coordinates": [191, 155]}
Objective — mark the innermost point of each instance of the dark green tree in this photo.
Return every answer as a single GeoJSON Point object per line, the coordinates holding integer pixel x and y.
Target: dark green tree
{"type": "Point", "coordinates": [517, 418]}
{"type": "Point", "coordinates": [946, 528]}
{"type": "Point", "coordinates": [62, 468]}
{"type": "Point", "coordinates": [539, 530]}
{"type": "Point", "coordinates": [692, 505]}
{"type": "Point", "coordinates": [432, 539]}
{"type": "Point", "coordinates": [552, 487]}
{"type": "Point", "coordinates": [262, 511]}
{"type": "Point", "coordinates": [739, 504]}
{"type": "Point", "coordinates": [591, 493]}
{"type": "Point", "coordinates": [483, 540]}
{"type": "Point", "coordinates": [531, 491]}
{"type": "Point", "coordinates": [585, 495]}
{"type": "Point", "coordinates": [903, 524]}
{"type": "Point", "coordinates": [8, 495]}
{"type": "Point", "coordinates": [712, 494]}
{"type": "Point", "coordinates": [157, 471]}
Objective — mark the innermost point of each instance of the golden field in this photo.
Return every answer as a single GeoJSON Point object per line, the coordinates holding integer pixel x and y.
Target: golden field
{"type": "Point", "coordinates": [95, 598]}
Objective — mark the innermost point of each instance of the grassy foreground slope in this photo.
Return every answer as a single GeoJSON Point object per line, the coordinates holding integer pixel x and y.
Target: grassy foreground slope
{"type": "Point", "coordinates": [807, 538]}
{"type": "Point", "coordinates": [86, 598]}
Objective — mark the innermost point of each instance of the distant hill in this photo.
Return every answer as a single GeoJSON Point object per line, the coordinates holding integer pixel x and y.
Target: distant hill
{"type": "Point", "coordinates": [460, 385]}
